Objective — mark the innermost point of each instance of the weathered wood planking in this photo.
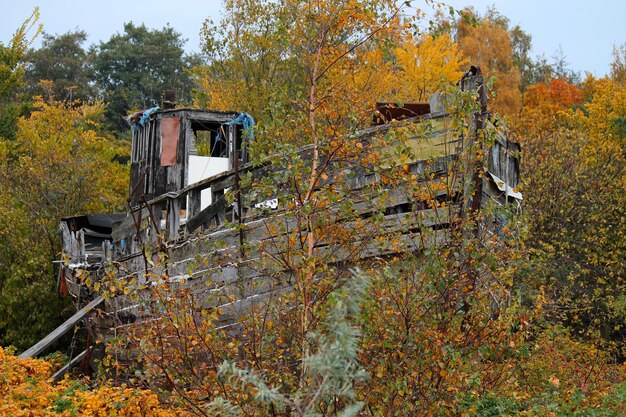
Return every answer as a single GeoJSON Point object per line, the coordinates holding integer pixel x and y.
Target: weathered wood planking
{"type": "Point", "coordinates": [243, 282]}
{"type": "Point", "coordinates": [232, 283]}
{"type": "Point", "coordinates": [236, 288]}
{"type": "Point", "coordinates": [62, 329]}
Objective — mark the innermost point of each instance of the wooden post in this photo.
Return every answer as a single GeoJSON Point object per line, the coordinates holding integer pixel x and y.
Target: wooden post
{"type": "Point", "coordinates": [220, 216]}
{"type": "Point", "coordinates": [480, 126]}
{"type": "Point", "coordinates": [194, 202]}
{"type": "Point", "coordinates": [173, 218]}
{"type": "Point", "coordinates": [156, 212]}
{"type": "Point", "coordinates": [239, 208]}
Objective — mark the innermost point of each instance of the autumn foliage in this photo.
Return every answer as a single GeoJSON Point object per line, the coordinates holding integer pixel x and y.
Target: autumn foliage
{"type": "Point", "coordinates": [575, 176]}
{"type": "Point", "coordinates": [59, 164]}
{"type": "Point", "coordinates": [488, 45]}
{"type": "Point", "coordinates": [507, 310]}
{"type": "Point", "coordinates": [27, 391]}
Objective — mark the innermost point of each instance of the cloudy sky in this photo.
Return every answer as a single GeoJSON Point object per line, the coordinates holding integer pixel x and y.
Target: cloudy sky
{"type": "Point", "coordinates": [585, 31]}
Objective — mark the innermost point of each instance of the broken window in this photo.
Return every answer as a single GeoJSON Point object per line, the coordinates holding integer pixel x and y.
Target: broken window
{"type": "Point", "coordinates": [210, 139]}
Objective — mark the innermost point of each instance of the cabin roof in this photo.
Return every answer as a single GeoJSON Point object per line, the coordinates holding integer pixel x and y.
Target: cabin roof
{"type": "Point", "coordinates": [98, 220]}
{"type": "Point", "coordinates": [193, 110]}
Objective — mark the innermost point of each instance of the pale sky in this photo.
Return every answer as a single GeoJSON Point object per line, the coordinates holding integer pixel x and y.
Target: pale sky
{"type": "Point", "coordinates": [585, 31]}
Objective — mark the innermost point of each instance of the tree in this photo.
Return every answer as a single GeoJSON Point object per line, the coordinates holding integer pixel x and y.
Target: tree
{"type": "Point", "coordinates": [11, 71]}
{"type": "Point", "coordinates": [132, 70]}
{"type": "Point", "coordinates": [420, 67]}
{"type": "Point", "coordinates": [521, 43]}
{"type": "Point", "coordinates": [62, 60]}
{"type": "Point", "coordinates": [249, 64]}
{"type": "Point", "coordinates": [484, 41]}
{"type": "Point", "coordinates": [546, 104]}
{"type": "Point", "coordinates": [254, 65]}
{"type": "Point", "coordinates": [489, 46]}
{"type": "Point", "coordinates": [559, 68]}
{"type": "Point", "coordinates": [618, 66]}
{"type": "Point", "coordinates": [58, 165]}
{"type": "Point", "coordinates": [575, 180]}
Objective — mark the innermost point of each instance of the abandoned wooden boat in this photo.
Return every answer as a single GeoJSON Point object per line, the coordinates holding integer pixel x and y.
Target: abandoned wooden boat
{"type": "Point", "coordinates": [195, 220]}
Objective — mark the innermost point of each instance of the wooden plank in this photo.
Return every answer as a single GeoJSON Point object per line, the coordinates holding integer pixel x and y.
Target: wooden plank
{"type": "Point", "coordinates": [361, 248]}
{"type": "Point", "coordinates": [173, 219]}
{"type": "Point", "coordinates": [59, 374]}
{"type": "Point", "coordinates": [69, 324]}
{"type": "Point", "coordinates": [217, 207]}
{"type": "Point", "coordinates": [194, 202]}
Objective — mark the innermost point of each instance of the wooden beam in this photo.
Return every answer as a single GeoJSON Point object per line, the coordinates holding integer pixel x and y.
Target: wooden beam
{"type": "Point", "coordinates": [215, 209]}
{"type": "Point", "coordinates": [69, 324]}
{"type": "Point", "coordinates": [194, 202]}
{"type": "Point", "coordinates": [173, 219]}
{"type": "Point", "coordinates": [59, 374]}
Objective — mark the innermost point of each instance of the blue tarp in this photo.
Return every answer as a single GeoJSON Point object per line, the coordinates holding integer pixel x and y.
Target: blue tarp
{"type": "Point", "coordinates": [247, 122]}
{"type": "Point", "coordinates": [144, 118]}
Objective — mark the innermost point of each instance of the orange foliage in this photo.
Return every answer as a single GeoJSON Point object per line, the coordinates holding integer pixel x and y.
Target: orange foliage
{"type": "Point", "coordinates": [423, 66]}
{"type": "Point", "coordinates": [488, 45]}
{"type": "Point", "coordinates": [558, 93]}
{"type": "Point", "coordinates": [27, 391]}
{"type": "Point", "coordinates": [546, 103]}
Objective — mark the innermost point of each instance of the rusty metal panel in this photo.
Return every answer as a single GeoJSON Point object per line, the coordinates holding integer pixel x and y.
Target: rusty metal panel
{"type": "Point", "coordinates": [169, 140]}
{"type": "Point", "coordinates": [386, 112]}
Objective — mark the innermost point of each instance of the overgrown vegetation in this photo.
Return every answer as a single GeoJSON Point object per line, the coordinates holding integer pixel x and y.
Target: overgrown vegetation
{"type": "Point", "coordinates": [528, 321]}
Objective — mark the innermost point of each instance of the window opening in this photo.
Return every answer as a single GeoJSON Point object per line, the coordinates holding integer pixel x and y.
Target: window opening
{"type": "Point", "coordinates": [207, 139]}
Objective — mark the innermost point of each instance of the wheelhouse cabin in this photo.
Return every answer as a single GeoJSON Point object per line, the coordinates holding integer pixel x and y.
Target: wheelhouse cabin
{"type": "Point", "coordinates": [172, 149]}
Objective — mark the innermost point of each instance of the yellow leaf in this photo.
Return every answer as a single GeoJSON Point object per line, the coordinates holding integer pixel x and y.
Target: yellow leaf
{"type": "Point", "coordinates": [555, 381]}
